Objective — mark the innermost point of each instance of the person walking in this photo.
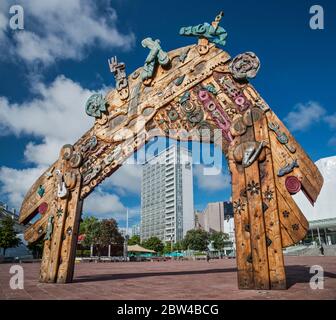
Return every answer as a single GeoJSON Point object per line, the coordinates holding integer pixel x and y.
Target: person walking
{"type": "Point", "coordinates": [208, 257]}
{"type": "Point", "coordinates": [322, 250]}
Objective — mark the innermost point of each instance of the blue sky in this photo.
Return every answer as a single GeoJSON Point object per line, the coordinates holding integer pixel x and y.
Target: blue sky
{"type": "Point", "coordinates": [50, 68]}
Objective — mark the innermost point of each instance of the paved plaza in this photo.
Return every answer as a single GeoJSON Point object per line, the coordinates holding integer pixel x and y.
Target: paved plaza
{"type": "Point", "coordinates": [196, 280]}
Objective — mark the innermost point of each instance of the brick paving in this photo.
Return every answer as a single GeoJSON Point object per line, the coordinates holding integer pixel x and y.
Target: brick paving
{"type": "Point", "coordinates": [196, 280]}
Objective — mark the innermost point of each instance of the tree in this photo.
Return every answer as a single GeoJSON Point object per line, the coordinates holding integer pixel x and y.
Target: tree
{"type": "Point", "coordinates": [218, 239]}
{"type": "Point", "coordinates": [109, 234]}
{"type": "Point", "coordinates": [134, 240]}
{"type": "Point", "coordinates": [100, 233]}
{"type": "Point", "coordinates": [178, 246]}
{"type": "Point", "coordinates": [36, 248]}
{"type": "Point", "coordinates": [8, 236]}
{"type": "Point", "coordinates": [153, 243]}
{"type": "Point", "coordinates": [167, 248]}
{"type": "Point", "coordinates": [196, 239]}
{"type": "Point", "coordinates": [90, 227]}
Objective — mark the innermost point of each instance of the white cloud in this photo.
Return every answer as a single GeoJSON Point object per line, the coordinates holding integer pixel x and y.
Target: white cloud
{"type": "Point", "coordinates": [103, 204]}
{"type": "Point", "coordinates": [64, 30]}
{"type": "Point", "coordinates": [126, 179]}
{"type": "Point", "coordinates": [211, 179]}
{"type": "Point", "coordinates": [15, 183]}
{"type": "Point", "coordinates": [331, 120]}
{"type": "Point", "coordinates": [305, 115]}
{"type": "Point", "coordinates": [57, 116]}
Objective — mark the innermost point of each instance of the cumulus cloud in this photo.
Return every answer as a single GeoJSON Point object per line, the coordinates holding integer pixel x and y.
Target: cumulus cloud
{"type": "Point", "coordinates": [55, 117]}
{"type": "Point", "coordinates": [63, 30]}
{"type": "Point", "coordinates": [304, 115]}
{"type": "Point", "coordinates": [105, 205]}
{"type": "Point", "coordinates": [331, 120]}
{"type": "Point", "coordinates": [15, 183]}
{"type": "Point", "coordinates": [211, 179]}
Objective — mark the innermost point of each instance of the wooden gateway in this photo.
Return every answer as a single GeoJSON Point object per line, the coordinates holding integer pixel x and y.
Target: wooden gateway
{"type": "Point", "coordinates": [191, 93]}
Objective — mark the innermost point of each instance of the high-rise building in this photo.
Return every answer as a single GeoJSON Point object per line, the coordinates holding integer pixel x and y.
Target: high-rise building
{"type": "Point", "coordinates": [136, 230]}
{"type": "Point", "coordinates": [218, 216]}
{"type": "Point", "coordinates": [215, 217]}
{"type": "Point", "coordinates": [167, 209]}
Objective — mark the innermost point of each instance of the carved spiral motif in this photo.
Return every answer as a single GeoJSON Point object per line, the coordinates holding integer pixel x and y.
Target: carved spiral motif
{"type": "Point", "coordinates": [96, 106]}
{"type": "Point", "coordinates": [293, 184]}
{"type": "Point", "coordinates": [245, 66]}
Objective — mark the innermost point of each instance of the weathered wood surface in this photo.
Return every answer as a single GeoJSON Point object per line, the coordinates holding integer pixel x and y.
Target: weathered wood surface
{"type": "Point", "coordinates": [201, 89]}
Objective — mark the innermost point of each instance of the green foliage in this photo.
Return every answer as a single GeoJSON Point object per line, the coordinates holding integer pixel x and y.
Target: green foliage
{"type": "Point", "coordinates": [100, 233]}
{"type": "Point", "coordinates": [8, 236]}
{"type": "Point", "coordinates": [167, 248]}
{"type": "Point", "coordinates": [153, 243]}
{"type": "Point", "coordinates": [134, 240]}
{"type": "Point", "coordinates": [90, 227]}
{"type": "Point", "coordinates": [36, 248]}
{"type": "Point", "coordinates": [196, 239]}
{"type": "Point", "coordinates": [218, 239]}
{"type": "Point", "coordinates": [83, 253]}
{"type": "Point", "coordinates": [178, 246]}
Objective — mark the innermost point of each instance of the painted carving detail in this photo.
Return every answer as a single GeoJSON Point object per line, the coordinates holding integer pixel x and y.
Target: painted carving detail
{"type": "Point", "coordinates": [118, 69]}
{"type": "Point", "coordinates": [218, 115]}
{"type": "Point", "coordinates": [245, 66]}
{"type": "Point", "coordinates": [235, 93]}
{"type": "Point", "coordinates": [50, 228]}
{"type": "Point", "coordinates": [156, 55]}
{"type": "Point", "coordinates": [205, 30]}
{"type": "Point", "coordinates": [288, 168]}
{"type": "Point", "coordinates": [96, 106]}
{"type": "Point", "coordinates": [281, 136]}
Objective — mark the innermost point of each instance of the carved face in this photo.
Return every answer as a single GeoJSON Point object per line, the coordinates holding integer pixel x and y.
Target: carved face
{"type": "Point", "coordinates": [96, 105]}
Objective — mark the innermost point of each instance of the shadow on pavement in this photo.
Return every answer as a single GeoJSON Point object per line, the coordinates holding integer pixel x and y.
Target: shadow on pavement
{"type": "Point", "coordinates": [107, 277]}
{"type": "Point", "coordinates": [301, 274]}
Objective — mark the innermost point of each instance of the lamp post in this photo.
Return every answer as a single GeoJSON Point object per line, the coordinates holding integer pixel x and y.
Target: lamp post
{"type": "Point", "coordinates": [125, 247]}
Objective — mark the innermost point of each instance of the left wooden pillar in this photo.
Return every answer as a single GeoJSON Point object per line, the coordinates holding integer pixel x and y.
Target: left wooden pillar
{"type": "Point", "coordinates": [60, 243]}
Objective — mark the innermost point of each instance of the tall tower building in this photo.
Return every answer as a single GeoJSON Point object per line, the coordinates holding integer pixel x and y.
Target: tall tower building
{"type": "Point", "coordinates": [167, 204]}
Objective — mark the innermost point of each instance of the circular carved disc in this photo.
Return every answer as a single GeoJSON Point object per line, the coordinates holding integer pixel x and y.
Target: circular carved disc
{"type": "Point", "coordinates": [238, 127]}
{"type": "Point", "coordinates": [43, 208]}
{"type": "Point", "coordinates": [293, 184]}
{"type": "Point", "coordinates": [251, 116]}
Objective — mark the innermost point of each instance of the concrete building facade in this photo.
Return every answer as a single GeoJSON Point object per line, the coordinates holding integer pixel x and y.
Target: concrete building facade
{"type": "Point", "coordinates": [167, 209]}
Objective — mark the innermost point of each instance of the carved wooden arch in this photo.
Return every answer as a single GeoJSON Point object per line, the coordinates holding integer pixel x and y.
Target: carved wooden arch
{"type": "Point", "coordinates": [180, 94]}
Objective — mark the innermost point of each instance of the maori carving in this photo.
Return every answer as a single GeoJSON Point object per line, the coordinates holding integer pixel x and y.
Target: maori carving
{"type": "Point", "coordinates": [245, 66]}
{"type": "Point", "coordinates": [41, 191]}
{"type": "Point", "coordinates": [248, 152]}
{"type": "Point", "coordinates": [43, 208]}
{"type": "Point", "coordinates": [217, 114]}
{"type": "Point", "coordinates": [288, 168]}
{"type": "Point", "coordinates": [281, 136]}
{"type": "Point", "coordinates": [202, 89]}
{"type": "Point", "coordinates": [96, 106]}
{"type": "Point", "coordinates": [235, 93]}
{"type": "Point", "coordinates": [293, 184]}
{"type": "Point", "coordinates": [62, 190]}
{"type": "Point", "coordinates": [118, 69]}
{"type": "Point", "coordinates": [205, 30]}
{"type": "Point", "coordinates": [50, 228]}
{"type": "Point", "coordinates": [156, 55]}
